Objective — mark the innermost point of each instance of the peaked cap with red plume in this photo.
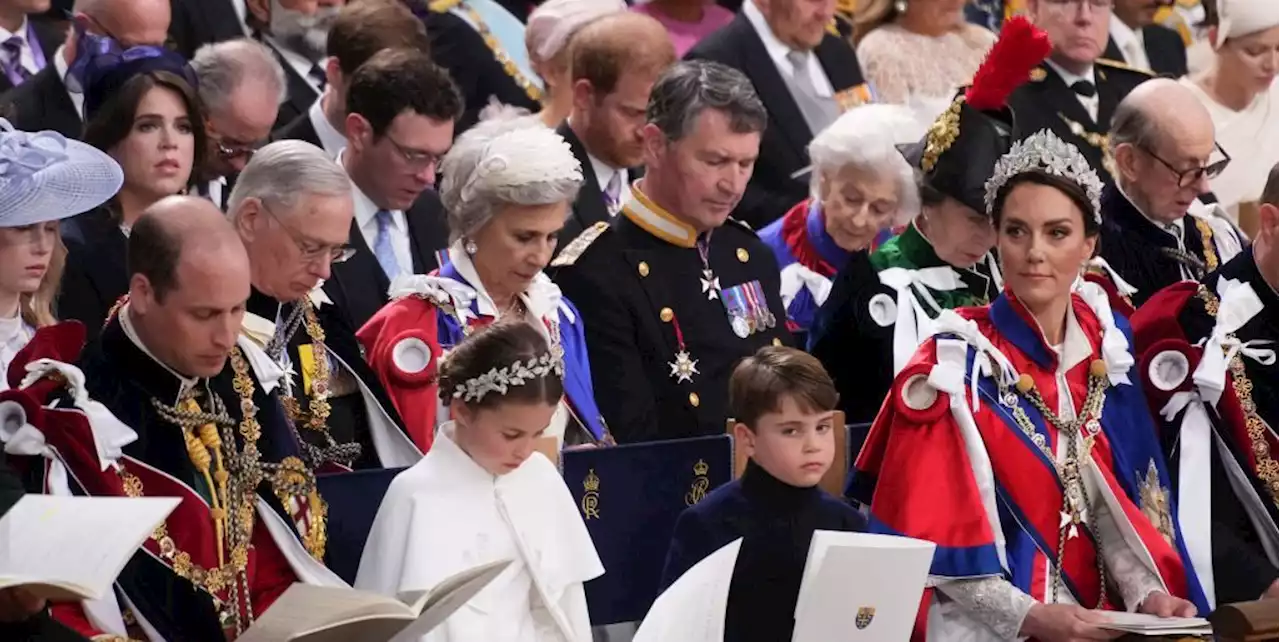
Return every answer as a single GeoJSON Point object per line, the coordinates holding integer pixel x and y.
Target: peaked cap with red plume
{"type": "Point", "coordinates": [960, 150]}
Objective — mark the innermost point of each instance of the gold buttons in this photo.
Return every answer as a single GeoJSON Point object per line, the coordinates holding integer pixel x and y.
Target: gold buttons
{"type": "Point", "coordinates": [777, 343]}
{"type": "Point", "coordinates": [743, 256]}
{"type": "Point", "coordinates": [666, 315]}
{"type": "Point", "coordinates": [643, 268]}
{"type": "Point", "coordinates": [694, 400]}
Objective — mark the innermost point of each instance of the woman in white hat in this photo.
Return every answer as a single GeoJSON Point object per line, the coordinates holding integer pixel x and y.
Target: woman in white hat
{"type": "Point", "coordinates": [44, 178]}
{"type": "Point", "coordinates": [1240, 91]}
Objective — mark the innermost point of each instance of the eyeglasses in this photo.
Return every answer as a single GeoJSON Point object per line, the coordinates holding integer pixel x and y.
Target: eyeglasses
{"type": "Point", "coordinates": [229, 150]}
{"type": "Point", "coordinates": [333, 253]}
{"type": "Point", "coordinates": [1189, 177]}
{"type": "Point", "coordinates": [417, 159]}
{"type": "Point", "coordinates": [1063, 5]}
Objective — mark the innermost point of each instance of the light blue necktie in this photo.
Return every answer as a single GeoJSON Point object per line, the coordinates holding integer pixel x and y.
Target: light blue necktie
{"type": "Point", "coordinates": [382, 249]}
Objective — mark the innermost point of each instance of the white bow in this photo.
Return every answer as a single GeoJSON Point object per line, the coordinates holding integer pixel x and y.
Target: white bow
{"type": "Point", "coordinates": [1122, 286]}
{"type": "Point", "coordinates": [988, 359]}
{"type": "Point", "coordinates": [318, 296]}
{"type": "Point", "coordinates": [21, 438]}
{"type": "Point", "coordinates": [1115, 346]}
{"type": "Point", "coordinates": [267, 370]}
{"type": "Point", "coordinates": [1237, 304]}
{"type": "Point", "coordinates": [796, 276]}
{"type": "Point", "coordinates": [546, 301]}
{"type": "Point", "coordinates": [110, 435]}
{"type": "Point", "coordinates": [914, 324]}
{"type": "Point", "coordinates": [439, 290]}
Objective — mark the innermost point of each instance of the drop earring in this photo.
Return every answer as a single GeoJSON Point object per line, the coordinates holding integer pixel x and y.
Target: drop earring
{"type": "Point", "coordinates": [900, 6]}
{"type": "Point", "coordinates": [470, 247]}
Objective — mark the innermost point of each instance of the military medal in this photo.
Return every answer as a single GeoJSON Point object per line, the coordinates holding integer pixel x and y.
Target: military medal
{"type": "Point", "coordinates": [685, 366]}
{"type": "Point", "coordinates": [710, 284]}
{"type": "Point", "coordinates": [741, 326]}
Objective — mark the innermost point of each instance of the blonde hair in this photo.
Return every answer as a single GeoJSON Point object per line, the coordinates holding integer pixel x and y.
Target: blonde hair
{"type": "Point", "coordinates": [871, 14]}
{"type": "Point", "coordinates": [37, 308]}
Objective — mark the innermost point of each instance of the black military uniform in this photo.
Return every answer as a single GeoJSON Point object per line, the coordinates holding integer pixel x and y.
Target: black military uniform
{"type": "Point", "coordinates": [476, 64]}
{"type": "Point", "coordinates": [1148, 257]}
{"type": "Point", "coordinates": [649, 299]}
{"type": "Point", "coordinates": [854, 332]}
{"type": "Point", "coordinates": [1048, 103]}
{"type": "Point", "coordinates": [348, 441]}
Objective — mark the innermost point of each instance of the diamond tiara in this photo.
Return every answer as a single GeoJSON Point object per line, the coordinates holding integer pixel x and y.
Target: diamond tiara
{"type": "Point", "coordinates": [500, 380]}
{"type": "Point", "coordinates": [1045, 152]}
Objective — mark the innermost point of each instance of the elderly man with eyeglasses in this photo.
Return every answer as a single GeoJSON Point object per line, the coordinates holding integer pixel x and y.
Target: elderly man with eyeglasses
{"type": "Point", "coordinates": [292, 207]}
{"type": "Point", "coordinates": [1075, 91]}
{"type": "Point", "coordinates": [1156, 231]}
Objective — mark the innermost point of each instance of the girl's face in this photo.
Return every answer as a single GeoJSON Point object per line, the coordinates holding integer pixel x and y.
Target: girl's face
{"type": "Point", "coordinates": [501, 438]}
{"type": "Point", "coordinates": [159, 151]}
{"type": "Point", "coordinates": [25, 254]}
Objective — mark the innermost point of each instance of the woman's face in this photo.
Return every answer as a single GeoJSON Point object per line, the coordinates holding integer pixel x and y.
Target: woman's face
{"type": "Point", "coordinates": [158, 153]}
{"type": "Point", "coordinates": [1042, 244]}
{"type": "Point", "coordinates": [959, 235]}
{"type": "Point", "coordinates": [856, 205]}
{"type": "Point", "coordinates": [501, 438]}
{"type": "Point", "coordinates": [514, 246]}
{"type": "Point", "coordinates": [25, 253]}
{"type": "Point", "coordinates": [1252, 59]}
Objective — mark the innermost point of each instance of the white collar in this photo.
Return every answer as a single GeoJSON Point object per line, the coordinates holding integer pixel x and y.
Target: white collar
{"type": "Point", "coordinates": [1070, 78]}
{"type": "Point", "coordinates": [332, 140]}
{"type": "Point", "coordinates": [126, 324]}
{"type": "Point", "coordinates": [542, 298]}
{"type": "Point", "coordinates": [242, 13]}
{"type": "Point", "coordinates": [60, 66]}
{"type": "Point", "coordinates": [605, 172]}
{"type": "Point", "coordinates": [300, 63]}
{"type": "Point", "coordinates": [777, 49]}
{"type": "Point", "coordinates": [1124, 34]}
{"type": "Point", "coordinates": [5, 34]}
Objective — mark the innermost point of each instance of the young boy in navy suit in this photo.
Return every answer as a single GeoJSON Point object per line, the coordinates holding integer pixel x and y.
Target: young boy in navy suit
{"type": "Point", "coordinates": [784, 402]}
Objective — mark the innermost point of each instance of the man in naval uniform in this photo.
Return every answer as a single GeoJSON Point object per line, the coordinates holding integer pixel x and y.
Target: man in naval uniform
{"type": "Point", "coordinates": [674, 291]}
{"type": "Point", "coordinates": [292, 207]}
{"type": "Point", "coordinates": [1075, 92]}
{"type": "Point", "coordinates": [1154, 231]}
{"type": "Point", "coordinates": [1217, 410]}
{"type": "Point", "coordinates": [195, 416]}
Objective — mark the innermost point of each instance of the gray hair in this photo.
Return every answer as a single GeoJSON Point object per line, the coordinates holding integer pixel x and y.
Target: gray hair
{"type": "Point", "coordinates": [1133, 125]}
{"type": "Point", "coordinates": [863, 139]}
{"type": "Point", "coordinates": [285, 171]}
{"type": "Point", "coordinates": [224, 67]}
{"type": "Point", "coordinates": [505, 161]}
{"type": "Point", "coordinates": [690, 87]}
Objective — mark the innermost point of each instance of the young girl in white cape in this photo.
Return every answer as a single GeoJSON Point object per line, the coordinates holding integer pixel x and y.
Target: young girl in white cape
{"type": "Point", "coordinates": [482, 495]}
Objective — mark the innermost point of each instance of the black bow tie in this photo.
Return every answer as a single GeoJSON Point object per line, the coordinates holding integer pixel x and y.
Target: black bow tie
{"type": "Point", "coordinates": [1084, 88]}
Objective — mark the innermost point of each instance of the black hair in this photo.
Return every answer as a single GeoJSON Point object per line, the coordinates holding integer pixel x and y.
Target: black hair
{"type": "Point", "coordinates": [398, 80]}
{"type": "Point", "coordinates": [1068, 187]}
{"type": "Point", "coordinates": [500, 345]}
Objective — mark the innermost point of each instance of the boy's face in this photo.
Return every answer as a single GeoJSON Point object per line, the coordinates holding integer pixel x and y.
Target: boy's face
{"type": "Point", "coordinates": [794, 445]}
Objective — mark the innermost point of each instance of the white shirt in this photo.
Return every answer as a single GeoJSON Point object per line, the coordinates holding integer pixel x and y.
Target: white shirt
{"type": "Point", "coordinates": [1129, 41]}
{"type": "Point", "coordinates": [242, 12]}
{"type": "Point", "coordinates": [26, 58]}
{"type": "Point", "coordinates": [216, 188]}
{"type": "Point", "coordinates": [300, 64]}
{"type": "Point", "coordinates": [1090, 102]}
{"type": "Point", "coordinates": [60, 64]}
{"type": "Point", "coordinates": [778, 52]}
{"type": "Point", "coordinates": [14, 336]}
{"type": "Point", "coordinates": [605, 173]}
{"type": "Point", "coordinates": [332, 140]}
{"type": "Point", "coordinates": [367, 221]}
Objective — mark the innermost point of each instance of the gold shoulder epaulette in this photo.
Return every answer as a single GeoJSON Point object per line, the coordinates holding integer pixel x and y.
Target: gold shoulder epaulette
{"type": "Point", "coordinates": [569, 255]}
{"type": "Point", "coordinates": [441, 6]}
{"type": "Point", "coordinates": [1116, 64]}
{"type": "Point", "coordinates": [743, 226]}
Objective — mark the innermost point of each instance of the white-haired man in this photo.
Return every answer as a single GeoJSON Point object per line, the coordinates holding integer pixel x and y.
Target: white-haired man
{"type": "Point", "coordinates": [292, 208]}
{"type": "Point", "coordinates": [241, 86]}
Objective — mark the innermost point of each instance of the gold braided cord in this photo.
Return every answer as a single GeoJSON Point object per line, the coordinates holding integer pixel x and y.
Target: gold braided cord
{"type": "Point", "coordinates": [508, 65]}
{"type": "Point", "coordinates": [1206, 239]}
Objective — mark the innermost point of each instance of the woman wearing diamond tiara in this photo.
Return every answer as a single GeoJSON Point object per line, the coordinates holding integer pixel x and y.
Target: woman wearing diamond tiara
{"type": "Point", "coordinates": [482, 495]}
{"type": "Point", "coordinates": [1010, 404]}
{"type": "Point", "coordinates": [507, 187]}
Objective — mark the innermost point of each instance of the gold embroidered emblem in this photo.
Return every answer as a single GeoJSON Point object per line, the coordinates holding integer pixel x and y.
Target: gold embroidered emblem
{"type": "Point", "coordinates": [942, 135]}
{"type": "Point", "coordinates": [1038, 74]}
{"type": "Point", "coordinates": [1206, 240]}
{"type": "Point", "coordinates": [1154, 499]}
{"type": "Point", "coordinates": [698, 490]}
{"type": "Point", "coordinates": [864, 617]}
{"type": "Point", "coordinates": [569, 255]}
{"type": "Point", "coordinates": [1101, 142]}
{"type": "Point", "coordinates": [591, 498]}
{"type": "Point", "coordinates": [854, 96]}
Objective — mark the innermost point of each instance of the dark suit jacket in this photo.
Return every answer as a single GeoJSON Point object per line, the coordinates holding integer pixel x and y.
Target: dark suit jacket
{"type": "Point", "coordinates": [50, 35]}
{"type": "Point", "coordinates": [772, 191]}
{"type": "Point", "coordinates": [1165, 50]}
{"type": "Point", "coordinates": [1048, 103]}
{"type": "Point", "coordinates": [301, 93]}
{"type": "Point", "coordinates": [359, 287]}
{"type": "Point", "coordinates": [196, 23]}
{"type": "Point", "coordinates": [299, 129]}
{"type": "Point", "coordinates": [42, 103]}
{"type": "Point", "coordinates": [456, 46]}
{"type": "Point", "coordinates": [97, 272]}
{"type": "Point", "coordinates": [589, 208]}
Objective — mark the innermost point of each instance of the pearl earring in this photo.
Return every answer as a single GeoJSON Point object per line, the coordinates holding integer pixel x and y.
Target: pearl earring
{"type": "Point", "coordinates": [470, 247]}
{"type": "Point", "coordinates": [900, 6]}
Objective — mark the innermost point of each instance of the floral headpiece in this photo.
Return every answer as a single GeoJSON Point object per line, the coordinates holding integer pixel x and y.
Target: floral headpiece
{"type": "Point", "coordinates": [500, 380]}
{"type": "Point", "coordinates": [1045, 152]}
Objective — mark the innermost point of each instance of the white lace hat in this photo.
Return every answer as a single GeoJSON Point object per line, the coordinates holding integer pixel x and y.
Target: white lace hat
{"type": "Point", "coordinates": [45, 176]}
